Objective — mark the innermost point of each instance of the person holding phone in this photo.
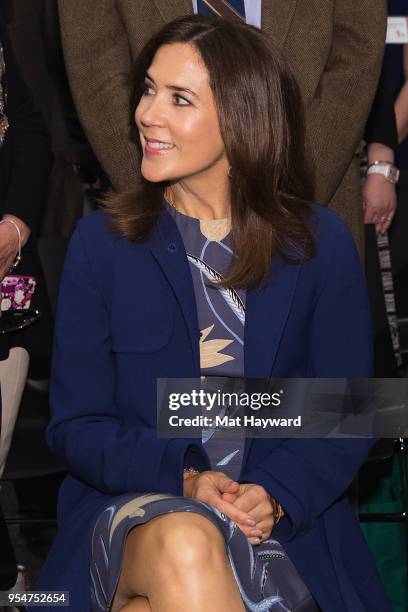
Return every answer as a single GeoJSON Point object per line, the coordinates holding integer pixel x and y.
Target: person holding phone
{"type": "Point", "coordinates": [25, 162]}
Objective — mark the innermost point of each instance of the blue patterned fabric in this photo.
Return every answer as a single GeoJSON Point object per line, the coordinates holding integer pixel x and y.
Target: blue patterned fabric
{"type": "Point", "coordinates": [221, 312]}
{"type": "Point", "coordinates": [238, 5]}
{"type": "Point", "coordinates": [221, 320]}
{"type": "Point", "coordinates": [265, 576]}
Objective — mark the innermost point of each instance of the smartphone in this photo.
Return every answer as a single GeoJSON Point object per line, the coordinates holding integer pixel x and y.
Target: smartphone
{"type": "Point", "coordinates": [17, 292]}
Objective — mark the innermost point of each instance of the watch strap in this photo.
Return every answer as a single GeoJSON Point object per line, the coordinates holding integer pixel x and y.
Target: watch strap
{"type": "Point", "coordinates": [386, 169]}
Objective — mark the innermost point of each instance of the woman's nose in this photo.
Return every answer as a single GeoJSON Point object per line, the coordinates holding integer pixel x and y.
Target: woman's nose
{"type": "Point", "coordinates": [153, 112]}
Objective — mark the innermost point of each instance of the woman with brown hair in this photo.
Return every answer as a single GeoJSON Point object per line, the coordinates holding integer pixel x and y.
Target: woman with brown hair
{"type": "Point", "coordinates": [216, 265]}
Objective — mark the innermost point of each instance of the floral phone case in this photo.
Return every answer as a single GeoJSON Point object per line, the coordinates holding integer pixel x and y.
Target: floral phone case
{"type": "Point", "coordinates": [17, 292]}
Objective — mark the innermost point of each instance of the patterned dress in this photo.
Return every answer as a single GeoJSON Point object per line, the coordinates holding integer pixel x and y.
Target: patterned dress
{"type": "Point", "coordinates": [221, 319]}
{"type": "Point", "coordinates": [266, 577]}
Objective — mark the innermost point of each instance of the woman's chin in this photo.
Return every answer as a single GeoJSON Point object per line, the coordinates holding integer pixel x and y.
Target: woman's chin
{"type": "Point", "coordinates": [153, 176]}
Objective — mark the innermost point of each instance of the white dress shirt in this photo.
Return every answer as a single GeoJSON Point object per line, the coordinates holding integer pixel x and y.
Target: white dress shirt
{"type": "Point", "coordinates": [253, 10]}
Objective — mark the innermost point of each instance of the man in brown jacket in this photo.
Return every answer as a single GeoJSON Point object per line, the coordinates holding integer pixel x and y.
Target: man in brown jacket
{"type": "Point", "coordinates": [335, 48]}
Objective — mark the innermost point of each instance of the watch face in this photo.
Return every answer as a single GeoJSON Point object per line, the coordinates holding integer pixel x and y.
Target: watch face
{"type": "Point", "coordinates": [393, 174]}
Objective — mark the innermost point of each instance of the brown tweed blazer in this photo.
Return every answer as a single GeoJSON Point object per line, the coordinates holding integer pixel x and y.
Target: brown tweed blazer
{"type": "Point", "coordinates": [335, 48]}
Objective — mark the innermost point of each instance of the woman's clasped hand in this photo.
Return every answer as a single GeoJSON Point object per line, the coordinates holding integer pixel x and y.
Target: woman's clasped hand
{"type": "Point", "coordinates": [249, 505]}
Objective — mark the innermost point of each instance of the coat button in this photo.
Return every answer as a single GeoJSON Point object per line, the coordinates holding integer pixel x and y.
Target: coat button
{"type": "Point", "coordinates": [172, 248]}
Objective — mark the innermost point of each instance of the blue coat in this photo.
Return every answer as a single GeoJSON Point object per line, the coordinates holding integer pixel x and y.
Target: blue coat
{"type": "Point", "coordinates": [127, 316]}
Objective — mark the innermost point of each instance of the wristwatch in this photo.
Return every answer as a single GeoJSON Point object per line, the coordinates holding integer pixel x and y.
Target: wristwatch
{"type": "Point", "coordinates": [386, 168]}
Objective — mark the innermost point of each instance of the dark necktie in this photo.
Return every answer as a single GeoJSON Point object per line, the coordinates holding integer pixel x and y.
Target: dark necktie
{"type": "Point", "coordinates": [231, 9]}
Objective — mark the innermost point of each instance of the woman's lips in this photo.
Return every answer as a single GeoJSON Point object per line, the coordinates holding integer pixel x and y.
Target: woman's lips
{"type": "Point", "coordinates": [156, 148]}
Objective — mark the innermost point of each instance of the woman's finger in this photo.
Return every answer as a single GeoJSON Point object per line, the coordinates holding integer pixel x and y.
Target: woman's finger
{"type": "Point", "coordinates": [370, 213]}
{"type": "Point", "coordinates": [261, 535]}
{"type": "Point", "coordinates": [379, 217]}
{"type": "Point", "coordinates": [261, 528]}
{"type": "Point", "coordinates": [250, 532]}
{"type": "Point", "coordinates": [384, 224]}
{"type": "Point", "coordinates": [254, 541]}
{"type": "Point", "coordinates": [381, 228]}
{"type": "Point", "coordinates": [262, 513]}
{"type": "Point", "coordinates": [229, 486]}
{"type": "Point", "coordinates": [266, 527]}
{"type": "Point", "coordinates": [223, 483]}
{"type": "Point", "coordinates": [213, 498]}
{"type": "Point", "coordinates": [234, 513]}
{"type": "Point", "coordinates": [256, 501]}
{"type": "Point", "coordinates": [229, 497]}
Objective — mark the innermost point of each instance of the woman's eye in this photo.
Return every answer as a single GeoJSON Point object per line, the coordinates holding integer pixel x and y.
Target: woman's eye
{"type": "Point", "coordinates": [180, 101]}
{"type": "Point", "coordinates": [147, 89]}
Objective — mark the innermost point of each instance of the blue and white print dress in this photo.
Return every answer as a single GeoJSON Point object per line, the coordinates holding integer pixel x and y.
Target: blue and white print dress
{"type": "Point", "coordinates": [266, 577]}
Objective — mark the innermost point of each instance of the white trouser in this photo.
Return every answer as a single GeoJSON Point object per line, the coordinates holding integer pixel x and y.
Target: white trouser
{"type": "Point", "coordinates": [13, 375]}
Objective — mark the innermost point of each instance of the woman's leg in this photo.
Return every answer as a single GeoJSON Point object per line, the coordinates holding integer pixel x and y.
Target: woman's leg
{"type": "Point", "coordinates": [178, 562]}
{"type": "Point", "coordinates": [13, 374]}
{"type": "Point", "coordinates": [138, 604]}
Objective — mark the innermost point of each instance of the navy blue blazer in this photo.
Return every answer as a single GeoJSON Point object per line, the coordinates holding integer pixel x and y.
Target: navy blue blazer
{"type": "Point", "coordinates": [127, 316]}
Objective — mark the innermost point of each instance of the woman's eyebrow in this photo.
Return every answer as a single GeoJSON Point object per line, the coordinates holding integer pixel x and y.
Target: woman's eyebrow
{"type": "Point", "coordinates": [174, 87]}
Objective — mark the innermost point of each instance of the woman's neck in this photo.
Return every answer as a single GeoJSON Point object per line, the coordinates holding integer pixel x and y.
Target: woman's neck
{"type": "Point", "coordinates": [200, 202]}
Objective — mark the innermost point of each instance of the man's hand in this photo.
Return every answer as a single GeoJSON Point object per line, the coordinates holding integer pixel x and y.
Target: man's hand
{"type": "Point", "coordinates": [379, 201]}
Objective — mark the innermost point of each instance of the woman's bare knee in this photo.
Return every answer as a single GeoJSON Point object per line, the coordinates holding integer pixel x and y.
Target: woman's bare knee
{"type": "Point", "coordinates": [163, 545]}
{"type": "Point", "coordinates": [188, 539]}
{"type": "Point", "coordinates": [138, 604]}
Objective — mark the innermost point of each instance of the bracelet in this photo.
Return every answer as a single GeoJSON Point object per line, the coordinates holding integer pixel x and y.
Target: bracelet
{"type": "Point", "coordinates": [277, 511]}
{"type": "Point", "coordinates": [18, 258]}
{"type": "Point", "coordinates": [380, 161]}
{"type": "Point", "coordinates": [190, 470]}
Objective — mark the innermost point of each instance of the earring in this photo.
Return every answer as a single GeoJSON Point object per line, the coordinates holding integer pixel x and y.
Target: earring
{"type": "Point", "coordinates": [230, 172]}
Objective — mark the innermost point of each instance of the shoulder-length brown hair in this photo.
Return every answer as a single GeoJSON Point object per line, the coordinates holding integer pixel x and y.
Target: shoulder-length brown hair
{"type": "Point", "coordinates": [261, 122]}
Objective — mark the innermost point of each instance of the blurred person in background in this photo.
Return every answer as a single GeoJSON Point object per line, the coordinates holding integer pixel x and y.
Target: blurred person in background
{"type": "Point", "coordinates": [75, 180]}
{"type": "Point", "coordinates": [396, 73]}
{"type": "Point", "coordinates": [35, 36]}
{"type": "Point", "coordinates": [380, 179]}
{"type": "Point", "coordinates": [25, 161]}
{"type": "Point", "coordinates": [380, 486]}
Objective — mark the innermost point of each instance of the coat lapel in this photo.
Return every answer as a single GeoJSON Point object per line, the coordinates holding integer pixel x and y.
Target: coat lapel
{"type": "Point", "coordinates": [276, 18]}
{"type": "Point", "coordinates": [171, 9]}
{"type": "Point", "coordinates": [267, 310]}
{"type": "Point", "coordinates": [168, 250]}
